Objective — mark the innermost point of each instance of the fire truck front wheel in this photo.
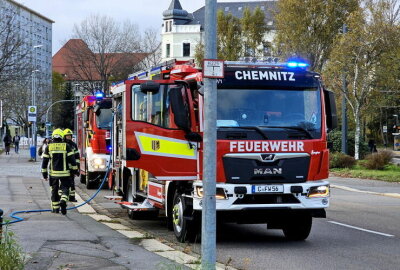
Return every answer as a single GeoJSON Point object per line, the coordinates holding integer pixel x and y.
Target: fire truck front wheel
{"type": "Point", "coordinates": [297, 228]}
{"type": "Point", "coordinates": [184, 223]}
{"type": "Point", "coordinates": [91, 180]}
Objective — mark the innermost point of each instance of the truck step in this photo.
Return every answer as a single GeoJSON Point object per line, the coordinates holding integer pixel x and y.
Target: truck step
{"type": "Point", "coordinates": [113, 198]}
{"type": "Point", "coordinates": [135, 206]}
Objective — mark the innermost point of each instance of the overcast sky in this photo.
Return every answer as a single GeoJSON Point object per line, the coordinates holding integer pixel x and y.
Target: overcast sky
{"type": "Point", "coordinates": [66, 13]}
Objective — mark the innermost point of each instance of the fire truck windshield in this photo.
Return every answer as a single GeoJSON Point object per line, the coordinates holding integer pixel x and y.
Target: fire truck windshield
{"type": "Point", "coordinates": [291, 109]}
{"type": "Point", "coordinates": [103, 120]}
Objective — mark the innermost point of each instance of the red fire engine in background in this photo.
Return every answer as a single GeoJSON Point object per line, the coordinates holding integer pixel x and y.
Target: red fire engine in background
{"type": "Point", "coordinates": [94, 117]}
{"type": "Point", "coordinates": [272, 156]}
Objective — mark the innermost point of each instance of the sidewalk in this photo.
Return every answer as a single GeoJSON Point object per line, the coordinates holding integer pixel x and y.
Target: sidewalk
{"type": "Point", "coordinates": [74, 241]}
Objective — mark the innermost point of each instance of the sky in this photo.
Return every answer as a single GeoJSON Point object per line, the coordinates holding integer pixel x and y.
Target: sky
{"type": "Point", "coordinates": [66, 13]}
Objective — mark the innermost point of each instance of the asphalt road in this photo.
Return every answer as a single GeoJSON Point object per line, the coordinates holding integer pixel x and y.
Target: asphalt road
{"type": "Point", "coordinates": [362, 231]}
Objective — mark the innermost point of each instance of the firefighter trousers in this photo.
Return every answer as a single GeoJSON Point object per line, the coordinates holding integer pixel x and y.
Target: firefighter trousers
{"type": "Point", "coordinates": [72, 188]}
{"type": "Point", "coordinates": [56, 184]}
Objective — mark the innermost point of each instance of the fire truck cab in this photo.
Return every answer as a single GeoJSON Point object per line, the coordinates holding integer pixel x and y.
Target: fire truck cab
{"type": "Point", "coordinates": [272, 156]}
{"type": "Point", "coordinates": [94, 116]}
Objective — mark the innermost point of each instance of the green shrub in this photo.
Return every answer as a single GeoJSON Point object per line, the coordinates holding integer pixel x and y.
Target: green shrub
{"type": "Point", "coordinates": [378, 161]}
{"type": "Point", "coordinates": [335, 143]}
{"type": "Point", "coordinates": [11, 254]}
{"type": "Point", "coordinates": [340, 160]}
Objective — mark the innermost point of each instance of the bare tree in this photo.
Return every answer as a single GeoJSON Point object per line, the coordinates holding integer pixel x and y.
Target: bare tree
{"type": "Point", "coordinates": [106, 49]}
{"type": "Point", "coordinates": [13, 47]}
{"type": "Point", "coordinates": [151, 45]}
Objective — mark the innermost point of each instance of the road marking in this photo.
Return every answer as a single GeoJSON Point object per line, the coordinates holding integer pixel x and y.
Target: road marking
{"type": "Point", "coordinates": [393, 195]}
{"type": "Point", "coordinates": [360, 229]}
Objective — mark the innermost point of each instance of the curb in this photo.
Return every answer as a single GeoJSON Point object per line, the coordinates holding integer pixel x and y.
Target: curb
{"type": "Point", "coordinates": [392, 195]}
{"type": "Point", "coordinates": [150, 244]}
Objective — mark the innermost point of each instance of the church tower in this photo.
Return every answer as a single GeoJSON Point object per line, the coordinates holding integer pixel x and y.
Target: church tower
{"type": "Point", "coordinates": [179, 36]}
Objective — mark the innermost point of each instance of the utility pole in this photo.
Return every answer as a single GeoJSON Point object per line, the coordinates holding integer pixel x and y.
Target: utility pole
{"type": "Point", "coordinates": [344, 105]}
{"type": "Point", "coordinates": [34, 84]}
{"type": "Point", "coordinates": [209, 226]}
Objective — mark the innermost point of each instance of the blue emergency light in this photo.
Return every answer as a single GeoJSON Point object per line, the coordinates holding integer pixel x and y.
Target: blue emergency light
{"type": "Point", "coordinates": [99, 95]}
{"type": "Point", "coordinates": [293, 64]}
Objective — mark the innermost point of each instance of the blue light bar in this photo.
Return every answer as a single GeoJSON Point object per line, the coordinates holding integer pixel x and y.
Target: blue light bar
{"type": "Point", "coordinates": [297, 64]}
{"type": "Point", "coordinates": [99, 95]}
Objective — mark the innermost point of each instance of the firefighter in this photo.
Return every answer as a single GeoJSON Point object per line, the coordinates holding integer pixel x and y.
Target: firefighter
{"type": "Point", "coordinates": [68, 139]}
{"type": "Point", "coordinates": [62, 160]}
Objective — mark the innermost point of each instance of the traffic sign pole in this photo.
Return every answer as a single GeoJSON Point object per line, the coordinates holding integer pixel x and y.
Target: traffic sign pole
{"type": "Point", "coordinates": [208, 229]}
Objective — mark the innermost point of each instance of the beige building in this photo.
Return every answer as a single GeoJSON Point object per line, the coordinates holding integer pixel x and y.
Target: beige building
{"type": "Point", "coordinates": [182, 31]}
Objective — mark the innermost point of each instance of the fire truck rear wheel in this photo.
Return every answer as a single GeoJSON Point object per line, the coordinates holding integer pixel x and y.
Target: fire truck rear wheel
{"type": "Point", "coordinates": [298, 228]}
{"type": "Point", "coordinates": [184, 228]}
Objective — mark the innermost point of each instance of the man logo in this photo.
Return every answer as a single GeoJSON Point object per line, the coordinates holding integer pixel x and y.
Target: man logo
{"type": "Point", "coordinates": [267, 157]}
{"type": "Point", "coordinates": [155, 145]}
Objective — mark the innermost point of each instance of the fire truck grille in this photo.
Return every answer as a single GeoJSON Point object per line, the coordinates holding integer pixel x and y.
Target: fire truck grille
{"type": "Point", "coordinates": [252, 171]}
{"type": "Point", "coordinates": [267, 199]}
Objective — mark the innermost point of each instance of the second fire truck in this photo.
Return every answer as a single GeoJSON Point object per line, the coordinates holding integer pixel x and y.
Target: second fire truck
{"type": "Point", "coordinates": [272, 156]}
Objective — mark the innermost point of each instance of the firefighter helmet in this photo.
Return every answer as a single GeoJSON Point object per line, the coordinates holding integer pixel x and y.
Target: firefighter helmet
{"type": "Point", "coordinates": [67, 131]}
{"type": "Point", "coordinates": [57, 133]}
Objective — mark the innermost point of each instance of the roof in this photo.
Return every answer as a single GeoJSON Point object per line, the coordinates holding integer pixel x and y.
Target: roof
{"type": "Point", "coordinates": [30, 10]}
{"type": "Point", "coordinates": [175, 11]}
{"type": "Point", "coordinates": [63, 63]}
{"type": "Point", "coordinates": [236, 9]}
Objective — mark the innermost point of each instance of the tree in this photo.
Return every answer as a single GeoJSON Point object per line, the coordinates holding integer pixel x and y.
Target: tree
{"type": "Point", "coordinates": [360, 53]}
{"type": "Point", "coordinates": [308, 28]}
{"type": "Point", "coordinates": [14, 63]}
{"type": "Point", "coordinates": [229, 36]}
{"type": "Point", "coordinates": [63, 112]}
{"type": "Point", "coordinates": [253, 31]}
{"type": "Point", "coordinates": [151, 45]}
{"type": "Point", "coordinates": [107, 50]}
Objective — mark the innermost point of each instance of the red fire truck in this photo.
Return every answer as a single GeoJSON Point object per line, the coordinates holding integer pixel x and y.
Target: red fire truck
{"type": "Point", "coordinates": [272, 156]}
{"type": "Point", "coordinates": [94, 117]}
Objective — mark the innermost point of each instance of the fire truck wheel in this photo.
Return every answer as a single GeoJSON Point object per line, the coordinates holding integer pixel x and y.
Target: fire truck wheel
{"type": "Point", "coordinates": [298, 228]}
{"type": "Point", "coordinates": [184, 228]}
{"type": "Point", "coordinates": [90, 184]}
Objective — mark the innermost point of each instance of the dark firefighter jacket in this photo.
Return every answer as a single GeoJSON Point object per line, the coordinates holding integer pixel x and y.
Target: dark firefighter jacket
{"type": "Point", "coordinates": [74, 148]}
{"type": "Point", "coordinates": [61, 158]}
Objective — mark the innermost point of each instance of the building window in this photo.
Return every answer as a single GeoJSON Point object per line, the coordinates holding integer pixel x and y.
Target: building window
{"type": "Point", "coordinates": [170, 26]}
{"type": "Point", "coordinates": [186, 49]}
{"type": "Point", "coordinates": [168, 50]}
{"type": "Point", "coordinates": [226, 8]}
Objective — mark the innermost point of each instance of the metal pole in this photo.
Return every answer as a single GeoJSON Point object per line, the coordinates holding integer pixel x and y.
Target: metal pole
{"type": "Point", "coordinates": [208, 230]}
{"type": "Point", "coordinates": [1, 223]}
{"type": "Point", "coordinates": [34, 104]}
{"type": "Point", "coordinates": [344, 106]}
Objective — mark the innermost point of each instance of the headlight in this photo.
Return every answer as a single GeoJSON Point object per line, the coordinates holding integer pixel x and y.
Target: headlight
{"type": "Point", "coordinates": [318, 192]}
{"type": "Point", "coordinates": [99, 163]}
{"type": "Point", "coordinates": [220, 194]}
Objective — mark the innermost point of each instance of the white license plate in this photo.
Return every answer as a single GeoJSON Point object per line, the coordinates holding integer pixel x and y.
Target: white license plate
{"type": "Point", "coordinates": [267, 189]}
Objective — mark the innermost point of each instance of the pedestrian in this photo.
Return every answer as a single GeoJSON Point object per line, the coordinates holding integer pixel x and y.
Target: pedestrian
{"type": "Point", "coordinates": [68, 139]}
{"type": "Point", "coordinates": [7, 143]}
{"type": "Point", "coordinates": [62, 160]}
{"type": "Point", "coordinates": [43, 147]}
{"type": "Point", "coordinates": [371, 145]}
{"type": "Point", "coordinates": [16, 140]}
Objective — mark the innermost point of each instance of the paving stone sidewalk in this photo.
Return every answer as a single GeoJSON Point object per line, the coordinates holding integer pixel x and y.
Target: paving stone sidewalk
{"type": "Point", "coordinates": [74, 241]}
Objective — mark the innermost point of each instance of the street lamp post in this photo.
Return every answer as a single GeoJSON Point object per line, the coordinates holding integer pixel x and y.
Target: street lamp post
{"type": "Point", "coordinates": [48, 109]}
{"type": "Point", "coordinates": [74, 110]}
{"type": "Point", "coordinates": [34, 127]}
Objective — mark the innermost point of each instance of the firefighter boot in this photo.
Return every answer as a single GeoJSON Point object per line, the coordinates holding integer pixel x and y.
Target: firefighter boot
{"type": "Point", "coordinates": [72, 194]}
{"type": "Point", "coordinates": [55, 207]}
{"type": "Point", "coordinates": [63, 204]}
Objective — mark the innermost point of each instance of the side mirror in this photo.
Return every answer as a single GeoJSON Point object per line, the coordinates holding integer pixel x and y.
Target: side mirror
{"type": "Point", "coordinates": [181, 113]}
{"type": "Point", "coordinates": [330, 109]}
{"type": "Point", "coordinates": [150, 86]}
{"type": "Point", "coordinates": [85, 124]}
{"type": "Point", "coordinates": [97, 110]}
